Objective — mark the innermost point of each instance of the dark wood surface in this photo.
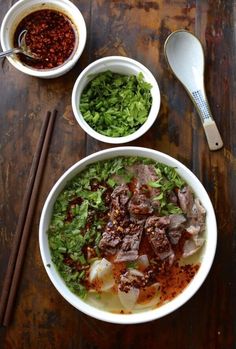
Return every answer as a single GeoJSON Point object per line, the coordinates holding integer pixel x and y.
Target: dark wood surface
{"type": "Point", "coordinates": [137, 29]}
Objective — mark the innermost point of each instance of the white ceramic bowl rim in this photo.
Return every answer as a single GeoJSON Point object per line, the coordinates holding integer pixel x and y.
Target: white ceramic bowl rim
{"type": "Point", "coordinates": [108, 63]}
{"type": "Point", "coordinates": [188, 292]}
{"type": "Point", "coordinates": [72, 10]}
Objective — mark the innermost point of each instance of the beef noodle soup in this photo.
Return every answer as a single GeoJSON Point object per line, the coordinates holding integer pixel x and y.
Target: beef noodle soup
{"type": "Point", "coordinates": [126, 234]}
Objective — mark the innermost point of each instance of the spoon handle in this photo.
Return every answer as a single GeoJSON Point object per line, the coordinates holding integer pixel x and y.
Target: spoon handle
{"type": "Point", "coordinates": [211, 131]}
{"type": "Point", "coordinates": [9, 52]}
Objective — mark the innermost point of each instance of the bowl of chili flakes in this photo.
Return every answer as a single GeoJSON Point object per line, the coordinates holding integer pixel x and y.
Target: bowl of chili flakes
{"type": "Point", "coordinates": [55, 33]}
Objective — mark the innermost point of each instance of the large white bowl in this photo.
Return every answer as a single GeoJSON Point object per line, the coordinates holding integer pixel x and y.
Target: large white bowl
{"type": "Point", "coordinates": [120, 65]}
{"type": "Point", "coordinates": [24, 7]}
{"type": "Point", "coordinates": [209, 248]}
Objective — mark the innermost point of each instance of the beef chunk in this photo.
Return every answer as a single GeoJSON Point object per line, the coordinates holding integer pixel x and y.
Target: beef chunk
{"type": "Point", "coordinates": [145, 174]}
{"type": "Point", "coordinates": [139, 208]}
{"type": "Point", "coordinates": [113, 233]}
{"type": "Point", "coordinates": [185, 197]}
{"type": "Point", "coordinates": [155, 230]}
{"type": "Point", "coordinates": [161, 245]}
{"type": "Point", "coordinates": [197, 215]}
{"type": "Point", "coordinates": [123, 241]}
{"type": "Point", "coordinates": [160, 222]}
{"type": "Point", "coordinates": [130, 243]}
{"type": "Point", "coordinates": [120, 195]}
{"type": "Point", "coordinates": [172, 198]}
{"type": "Point", "coordinates": [191, 246]}
{"type": "Point", "coordinates": [140, 205]}
{"type": "Point", "coordinates": [126, 256]}
{"type": "Point", "coordinates": [175, 228]}
{"type": "Point", "coordinates": [194, 243]}
{"type": "Point", "coordinates": [121, 236]}
{"type": "Point", "coordinates": [109, 242]}
{"type": "Point", "coordinates": [176, 221]}
{"type": "Point", "coordinates": [174, 236]}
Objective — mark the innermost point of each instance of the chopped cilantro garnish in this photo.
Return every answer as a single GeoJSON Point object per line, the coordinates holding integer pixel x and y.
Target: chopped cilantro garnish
{"type": "Point", "coordinates": [168, 180]}
{"type": "Point", "coordinates": [116, 105]}
{"type": "Point", "coordinates": [131, 265]}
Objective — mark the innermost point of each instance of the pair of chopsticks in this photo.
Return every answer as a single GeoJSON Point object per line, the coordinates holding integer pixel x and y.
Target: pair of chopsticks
{"type": "Point", "coordinates": [12, 277]}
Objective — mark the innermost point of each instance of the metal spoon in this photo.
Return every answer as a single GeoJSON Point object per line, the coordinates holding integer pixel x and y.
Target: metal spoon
{"type": "Point", "coordinates": [185, 56]}
{"type": "Point", "coordinates": [22, 48]}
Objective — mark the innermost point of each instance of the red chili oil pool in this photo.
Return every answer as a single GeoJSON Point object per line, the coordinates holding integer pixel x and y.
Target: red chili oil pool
{"type": "Point", "coordinates": [50, 35]}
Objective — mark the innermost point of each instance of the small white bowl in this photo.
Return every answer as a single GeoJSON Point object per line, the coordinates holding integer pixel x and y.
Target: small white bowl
{"type": "Point", "coordinates": [207, 255]}
{"type": "Point", "coordinates": [23, 8]}
{"type": "Point", "coordinates": [121, 65]}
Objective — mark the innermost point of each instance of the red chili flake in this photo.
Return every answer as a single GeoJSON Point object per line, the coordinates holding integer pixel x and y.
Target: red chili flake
{"type": "Point", "coordinates": [50, 35]}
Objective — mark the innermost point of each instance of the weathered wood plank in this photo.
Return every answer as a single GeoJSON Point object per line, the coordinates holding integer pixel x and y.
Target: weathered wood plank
{"type": "Point", "coordinates": [136, 29]}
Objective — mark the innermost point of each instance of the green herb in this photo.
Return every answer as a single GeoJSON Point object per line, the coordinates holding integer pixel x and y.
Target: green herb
{"type": "Point", "coordinates": [98, 296]}
{"type": "Point", "coordinates": [168, 179]}
{"type": "Point", "coordinates": [131, 265]}
{"type": "Point", "coordinates": [170, 208]}
{"type": "Point", "coordinates": [116, 105]}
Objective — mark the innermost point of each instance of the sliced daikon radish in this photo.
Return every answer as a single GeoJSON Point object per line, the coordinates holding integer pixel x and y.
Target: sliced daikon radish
{"type": "Point", "coordinates": [143, 261]}
{"type": "Point", "coordinates": [101, 270]}
{"type": "Point", "coordinates": [150, 302]}
{"type": "Point", "coordinates": [128, 299]}
{"type": "Point", "coordinates": [93, 272]}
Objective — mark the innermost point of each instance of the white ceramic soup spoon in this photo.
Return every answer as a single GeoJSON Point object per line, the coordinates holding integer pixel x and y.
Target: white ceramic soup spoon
{"type": "Point", "coordinates": [185, 56]}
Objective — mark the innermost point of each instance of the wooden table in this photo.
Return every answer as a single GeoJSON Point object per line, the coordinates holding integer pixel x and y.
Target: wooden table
{"type": "Point", "coordinates": [137, 29]}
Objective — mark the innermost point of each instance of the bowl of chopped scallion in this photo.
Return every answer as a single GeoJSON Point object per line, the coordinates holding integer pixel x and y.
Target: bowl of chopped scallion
{"type": "Point", "coordinates": [116, 99]}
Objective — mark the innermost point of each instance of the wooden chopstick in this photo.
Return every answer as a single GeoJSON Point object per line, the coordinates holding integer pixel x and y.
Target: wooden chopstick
{"type": "Point", "coordinates": [16, 260]}
{"type": "Point", "coordinates": [21, 220]}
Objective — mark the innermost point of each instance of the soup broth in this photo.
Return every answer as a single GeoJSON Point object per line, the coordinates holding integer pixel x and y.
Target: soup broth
{"type": "Point", "coordinates": [127, 234]}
